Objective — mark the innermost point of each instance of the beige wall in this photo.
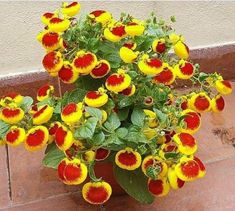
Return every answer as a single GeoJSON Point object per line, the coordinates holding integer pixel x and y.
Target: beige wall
{"type": "Point", "coordinates": [202, 23]}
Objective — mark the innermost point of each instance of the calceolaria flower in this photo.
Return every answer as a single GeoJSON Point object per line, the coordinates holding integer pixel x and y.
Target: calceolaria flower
{"type": "Point", "coordinates": [181, 50]}
{"type": "Point", "coordinates": [72, 172]}
{"type": "Point", "coordinates": [101, 69]}
{"type": "Point", "coordinates": [84, 62]}
{"type": "Point", "coordinates": [71, 9]}
{"type": "Point", "coordinates": [12, 97]}
{"type": "Point", "coordinates": [191, 120]}
{"type": "Point", "coordinates": [58, 24]}
{"type": "Point", "coordinates": [43, 115]}
{"type": "Point", "coordinates": [186, 143]}
{"type": "Point", "coordinates": [159, 45]}
{"type": "Point", "coordinates": [15, 136]}
{"type": "Point", "coordinates": [117, 82]}
{"type": "Point", "coordinates": [52, 131]}
{"type": "Point", "coordinates": [71, 113]}
{"type": "Point", "coordinates": [53, 62]}
{"type": "Point", "coordinates": [129, 91]}
{"type": "Point", "coordinates": [64, 138]}
{"type": "Point", "coordinates": [187, 169]}
{"type": "Point", "coordinates": [101, 154]}
{"type": "Point", "coordinates": [174, 180]}
{"type": "Point", "coordinates": [45, 92]}
{"type": "Point", "coordinates": [217, 103]}
{"type": "Point", "coordinates": [223, 87]}
{"type": "Point", "coordinates": [134, 28]}
{"type": "Point", "coordinates": [200, 102]}
{"type": "Point", "coordinates": [11, 115]}
{"type": "Point", "coordinates": [150, 66]}
{"type": "Point", "coordinates": [128, 159]}
{"type": "Point", "coordinates": [167, 76]}
{"type": "Point", "coordinates": [152, 118]}
{"type": "Point", "coordinates": [127, 55]}
{"type": "Point", "coordinates": [51, 41]}
{"type": "Point", "coordinates": [96, 98]}
{"type": "Point", "coordinates": [101, 16]}
{"type": "Point", "coordinates": [115, 32]}
{"type": "Point", "coordinates": [202, 168]}
{"type": "Point", "coordinates": [46, 17]}
{"type": "Point", "coordinates": [36, 138]}
{"type": "Point", "coordinates": [158, 187]}
{"type": "Point", "coordinates": [184, 69]}
{"type": "Point", "coordinates": [96, 192]}
{"type": "Point", "coordinates": [67, 73]}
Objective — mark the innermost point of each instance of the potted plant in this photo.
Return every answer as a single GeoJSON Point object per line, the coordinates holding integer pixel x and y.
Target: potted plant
{"type": "Point", "coordinates": [124, 108]}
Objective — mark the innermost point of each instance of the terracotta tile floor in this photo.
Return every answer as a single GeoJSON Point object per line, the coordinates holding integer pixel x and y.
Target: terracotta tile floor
{"type": "Point", "coordinates": [36, 188]}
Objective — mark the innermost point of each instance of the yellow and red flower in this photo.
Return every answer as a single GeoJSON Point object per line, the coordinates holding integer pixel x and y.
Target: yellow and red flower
{"type": "Point", "coordinates": [186, 143]}
{"type": "Point", "coordinates": [127, 55]}
{"type": "Point", "coordinates": [67, 74]}
{"type": "Point", "coordinates": [200, 102]}
{"type": "Point", "coordinates": [134, 28]}
{"type": "Point", "coordinates": [44, 92]}
{"type": "Point", "coordinates": [150, 133]}
{"type": "Point", "coordinates": [46, 17]}
{"type": "Point", "coordinates": [152, 118]}
{"type": "Point", "coordinates": [118, 82]}
{"type": "Point", "coordinates": [174, 180]}
{"type": "Point", "coordinates": [130, 45]}
{"type": "Point", "coordinates": [96, 192]}
{"type": "Point", "coordinates": [15, 136]}
{"type": "Point", "coordinates": [217, 103]}
{"type": "Point", "coordinates": [71, 9]}
{"type": "Point", "coordinates": [184, 104]}
{"type": "Point", "coordinates": [174, 38]}
{"type": "Point", "coordinates": [187, 169]}
{"type": "Point", "coordinates": [51, 41]}
{"type": "Point", "coordinates": [84, 62]}
{"type": "Point", "coordinates": [159, 45]}
{"type": "Point", "coordinates": [72, 113]}
{"type": "Point", "coordinates": [36, 138]}
{"type": "Point", "coordinates": [12, 97]}
{"type": "Point", "coordinates": [150, 66]}
{"type": "Point", "coordinates": [72, 172]}
{"type": "Point", "coordinates": [128, 159]}
{"type": "Point", "coordinates": [184, 69]}
{"type": "Point", "coordinates": [158, 187]}
{"type": "Point", "coordinates": [151, 161]}
{"type": "Point", "coordinates": [101, 69]}
{"type": "Point", "coordinates": [43, 115]}
{"type": "Point", "coordinates": [191, 120]}
{"type": "Point", "coordinates": [52, 131]}
{"type": "Point", "coordinates": [58, 24]}
{"type": "Point", "coordinates": [53, 62]}
{"type": "Point", "coordinates": [115, 32]}
{"type": "Point", "coordinates": [167, 149]}
{"type": "Point", "coordinates": [11, 115]}
{"type": "Point", "coordinates": [181, 50]}
{"type": "Point", "coordinates": [101, 154]}
{"type": "Point", "coordinates": [202, 169]}
{"type": "Point", "coordinates": [96, 98]}
{"type": "Point", "coordinates": [223, 87]}
{"type": "Point", "coordinates": [129, 91]}
{"type": "Point", "coordinates": [166, 76]}
{"type": "Point", "coordinates": [101, 16]}
{"type": "Point", "coordinates": [63, 138]}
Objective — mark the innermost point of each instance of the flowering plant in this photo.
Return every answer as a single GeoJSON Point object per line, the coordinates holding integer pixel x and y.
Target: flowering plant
{"type": "Point", "coordinates": [124, 107]}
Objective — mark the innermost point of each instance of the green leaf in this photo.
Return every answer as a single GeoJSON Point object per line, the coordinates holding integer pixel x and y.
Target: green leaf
{"type": "Point", "coordinates": [75, 96]}
{"type": "Point", "coordinates": [4, 127]}
{"type": "Point", "coordinates": [27, 102]}
{"type": "Point", "coordinates": [123, 114]}
{"type": "Point", "coordinates": [113, 142]}
{"type": "Point", "coordinates": [53, 157]}
{"type": "Point", "coordinates": [95, 112]}
{"type": "Point", "coordinates": [97, 139]}
{"type": "Point", "coordinates": [125, 101]}
{"type": "Point", "coordinates": [138, 117]}
{"type": "Point", "coordinates": [160, 115]}
{"type": "Point", "coordinates": [57, 109]}
{"type": "Point", "coordinates": [134, 183]}
{"type": "Point", "coordinates": [86, 131]}
{"type": "Point", "coordinates": [136, 135]}
{"type": "Point", "coordinates": [202, 76]}
{"type": "Point", "coordinates": [113, 122]}
{"type": "Point", "coordinates": [122, 132]}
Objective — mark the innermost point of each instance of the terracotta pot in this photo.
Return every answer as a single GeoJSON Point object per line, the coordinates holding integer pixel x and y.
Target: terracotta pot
{"type": "Point", "coordinates": [105, 170]}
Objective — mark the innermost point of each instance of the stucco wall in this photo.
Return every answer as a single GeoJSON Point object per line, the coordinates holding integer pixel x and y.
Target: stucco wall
{"type": "Point", "coordinates": [202, 23]}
